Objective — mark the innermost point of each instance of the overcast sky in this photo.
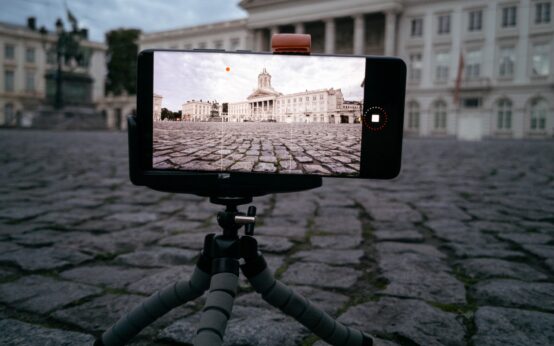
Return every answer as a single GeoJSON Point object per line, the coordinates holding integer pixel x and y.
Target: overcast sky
{"type": "Point", "coordinates": [100, 16]}
{"type": "Point", "coordinates": [180, 77]}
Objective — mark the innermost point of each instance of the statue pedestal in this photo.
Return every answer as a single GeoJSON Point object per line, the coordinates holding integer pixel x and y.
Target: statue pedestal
{"type": "Point", "coordinates": [69, 118]}
{"type": "Point", "coordinates": [216, 119]}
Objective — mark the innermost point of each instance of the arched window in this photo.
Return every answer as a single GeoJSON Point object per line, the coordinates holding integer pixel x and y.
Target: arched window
{"type": "Point", "coordinates": [439, 116]}
{"type": "Point", "coordinates": [413, 116]}
{"type": "Point", "coordinates": [539, 110]}
{"type": "Point", "coordinates": [504, 115]}
{"type": "Point", "coordinates": [9, 114]}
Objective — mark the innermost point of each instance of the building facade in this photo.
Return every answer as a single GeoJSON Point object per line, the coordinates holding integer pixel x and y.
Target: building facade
{"type": "Point", "coordinates": [268, 105]}
{"type": "Point", "coordinates": [25, 59]}
{"type": "Point", "coordinates": [198, 110]}
{"type": "Point", "coordinates": [476, 68]}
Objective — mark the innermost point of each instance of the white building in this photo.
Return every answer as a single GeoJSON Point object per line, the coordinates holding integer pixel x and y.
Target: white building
{"type": "Point", "coordinates": [267, 104]}
{"type": "Point", "coordinates": [507, 84]}
{"type": "Point", "coordinates": [157, 103]}
{"type": "Point", "coordinates": [23, 64]}
{"type": "Point", "coordinates": [198, 110]}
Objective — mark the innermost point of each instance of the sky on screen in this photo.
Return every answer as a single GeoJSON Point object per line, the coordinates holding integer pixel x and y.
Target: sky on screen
{"type": "Point", "coordinates": [179, 77]}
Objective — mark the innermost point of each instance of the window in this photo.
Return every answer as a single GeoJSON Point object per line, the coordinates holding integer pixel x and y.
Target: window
{"type": "Point", "coordinates": [9, 52]}
{"type": "Point", "coordinates": [442, 66]}
{"type": "Point", "coordinates": [541, 60]}
{"type": "Point", "coordinates": [415, 67]}
{"type": "Point", "coordinates": [539, 109]}
{"type": "Point", "coordinates": [507, 62]}
{"type": "Point", "coordinates": [475, 20]}
{"type": "Point", "coordinates": [542, 12]}
{"type": "Point", "coordinates": [51, 57]}
{"type": "Point", "coordinates": [509, 17]}
{"type": "Point", "coordinates": [504, 115]}
{"type": "Point", "coordinates": [8, 80]}
{"type": "Point", "coordinates": [417, 27]}
{"type": "Point", "coordinates": [187, 46]}
{"type": "Point", "coordinates": [444, 24]}
{"type": "Point", "coordinates": [30, 81]}
{"type": "Point", "coordinates": [413, 116]}
{"type": "Point", "coordinates": [439, 116]}
{"type": "Point", "coordinates": [473, 64]}
{"type": "Point", "coordinates": [218, 44]}
{"type": "Point", "coordinates": [202, 45]}
{"type": "Point", "coordinates": [235, 43]}
{"type": "Point", "coordinates": [30, 55]}
{"type": "Point", "coordinates": [9, 114]}
{"type": "Point", "coordinates": [471, 102]}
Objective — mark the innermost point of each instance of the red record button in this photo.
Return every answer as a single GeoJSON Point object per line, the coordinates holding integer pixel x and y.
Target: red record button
{"type": "Point", "coordinates": [375, 118]}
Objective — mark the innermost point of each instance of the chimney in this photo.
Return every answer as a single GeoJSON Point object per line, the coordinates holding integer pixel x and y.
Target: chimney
{"type": "Point", "coordinates": [32, 23]}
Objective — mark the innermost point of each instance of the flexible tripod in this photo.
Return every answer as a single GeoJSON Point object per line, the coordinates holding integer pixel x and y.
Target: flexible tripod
{"type": "Point", "coordinates": [217, 269]}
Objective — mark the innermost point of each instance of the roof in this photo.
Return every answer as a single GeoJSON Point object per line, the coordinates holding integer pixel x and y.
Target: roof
{"type": "Point", "coordinates": [194, 30]}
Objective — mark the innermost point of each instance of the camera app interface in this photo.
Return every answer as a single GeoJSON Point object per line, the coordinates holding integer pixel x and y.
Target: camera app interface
{"type": "Point", "coordinates": [280, 114]}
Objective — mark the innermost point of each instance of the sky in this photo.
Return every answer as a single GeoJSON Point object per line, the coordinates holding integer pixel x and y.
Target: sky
{"type": "Point", "coordinates": [180, 77]}
{"type": "Point", "coordinates": [100, 16]}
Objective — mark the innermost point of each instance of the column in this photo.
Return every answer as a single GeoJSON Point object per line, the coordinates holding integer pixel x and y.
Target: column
{"type": "Point", "coordinates": [390, 33]}
{"type": "Point", "coordinates": [274, 31]}
{"type": "Point", "coordinates": [329, 35]}
{"type": "Point", "coordinates": [259, 40]}
{"type": "Point", "coordinates": [299, 28]}
{"type": "Point", "coordinates": [359, 34]}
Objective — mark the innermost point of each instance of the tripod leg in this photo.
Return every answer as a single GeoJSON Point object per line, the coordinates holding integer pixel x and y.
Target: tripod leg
{"type": "Point", "coordinates": [157, 305]}
{"type": "Point", "coordinates": [219, 303]}
{"type": "Point", "coordinates": [291, 303]}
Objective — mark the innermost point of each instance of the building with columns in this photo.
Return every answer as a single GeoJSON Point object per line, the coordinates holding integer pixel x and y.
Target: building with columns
{"type": "Point", "coordinates": [267, 104]}
{"type": "Point", "coordinates": [501, 49]}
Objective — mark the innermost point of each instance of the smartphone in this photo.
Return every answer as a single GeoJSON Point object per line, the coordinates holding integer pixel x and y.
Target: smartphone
{"type": "Point", "coordinates": [272, 116]}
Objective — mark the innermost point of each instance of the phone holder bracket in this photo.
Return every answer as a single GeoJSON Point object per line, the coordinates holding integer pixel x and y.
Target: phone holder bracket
{"type": "Point", "coordinates": [291, 44]}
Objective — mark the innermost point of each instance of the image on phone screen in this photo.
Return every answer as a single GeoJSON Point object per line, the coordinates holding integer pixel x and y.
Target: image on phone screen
{"type": "Point", "coordinates": [258, 113]}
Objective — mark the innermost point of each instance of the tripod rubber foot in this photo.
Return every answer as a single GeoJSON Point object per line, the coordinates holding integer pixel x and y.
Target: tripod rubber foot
{"type": "Point", "coordinates": [318, 321]}
{"type": "Point", "coordinates": [154, 307]}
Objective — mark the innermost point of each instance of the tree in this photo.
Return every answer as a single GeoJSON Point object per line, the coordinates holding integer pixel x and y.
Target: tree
{"type": "Point", "coordinates": [166, 114]}
{"type": "Point", "coordinates": [122, 61]}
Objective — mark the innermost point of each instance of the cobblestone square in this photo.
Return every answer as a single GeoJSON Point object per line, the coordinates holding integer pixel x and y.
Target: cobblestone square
{"type": "Point", "coordinates": [264, 147]}
{"type": "Point", "coordinates": [458, 250]}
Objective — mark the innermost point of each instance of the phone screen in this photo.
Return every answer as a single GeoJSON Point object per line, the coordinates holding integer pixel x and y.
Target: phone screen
{"type": "Point", "coordinates": [258, 113]}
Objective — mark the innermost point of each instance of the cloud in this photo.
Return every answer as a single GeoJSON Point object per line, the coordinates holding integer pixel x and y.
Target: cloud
{"type": "Point", "coordinates": [101, 16]}
{"type": "Point", "coordinates": [179, 77]}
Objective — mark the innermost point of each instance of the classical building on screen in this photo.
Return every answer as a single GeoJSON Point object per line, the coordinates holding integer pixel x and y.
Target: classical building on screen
{"type": "Point", "coordinates": [267, 104]}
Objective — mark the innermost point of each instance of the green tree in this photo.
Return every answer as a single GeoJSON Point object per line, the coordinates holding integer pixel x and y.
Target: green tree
{"type": "Point", "coordinates": [122, 61]}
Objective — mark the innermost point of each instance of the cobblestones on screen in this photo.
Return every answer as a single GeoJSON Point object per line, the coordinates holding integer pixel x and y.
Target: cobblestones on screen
{"type": "Point", "coordinates": [295, 148]}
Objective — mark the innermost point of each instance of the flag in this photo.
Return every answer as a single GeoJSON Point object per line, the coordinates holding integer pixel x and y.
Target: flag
{"type": "Point", "coordinates": [459, 79]}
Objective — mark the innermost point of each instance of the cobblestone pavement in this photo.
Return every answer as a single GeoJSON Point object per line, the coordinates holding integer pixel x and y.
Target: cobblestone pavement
{"type": "Point", "coordinates": [326, 149]}
{"type": "Point", "coordinates": [459, 250]}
